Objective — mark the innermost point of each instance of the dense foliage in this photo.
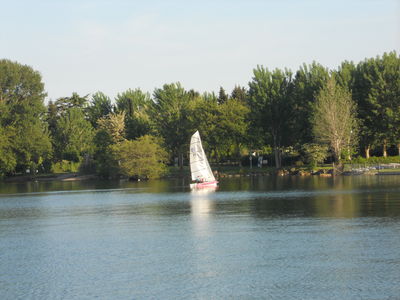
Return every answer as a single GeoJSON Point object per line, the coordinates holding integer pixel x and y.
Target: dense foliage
{"type": "Point", "coordinates": [24, 136]}
{"type": "Point", "coordinates": [307, 116]}
{"type": "Point", "coordinates": [142, 158]}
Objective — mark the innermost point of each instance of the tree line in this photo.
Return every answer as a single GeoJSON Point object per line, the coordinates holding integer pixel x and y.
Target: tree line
{"type": "Point", "coordinates": [306, 116]}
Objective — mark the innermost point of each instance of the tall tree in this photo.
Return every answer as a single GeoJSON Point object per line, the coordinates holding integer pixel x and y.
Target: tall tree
{"type": "Point", "coordinates": [210, 97]}
{"type": "Point", "coordinates": [239, 93]}
{"type": "Point", "coordinates": [345, 75]}
{"type": "Point", "coordinates": [74, 135]}
{"type": "Point", "coordinates": [99, 106]}
{"type": "Point", "coordinates": [110, 131]}
{"type": "Point", "coordinates": [232, 126]}
{"type": "Point", "coordinates": [8, 159]}
{"type": "Point", "coordinates": [308, 80]}
{"type": "Point", "coordinates": [222, 96]}
{"type": "Point", "coordinates": [170, 114]}
{"type": "Point", "coordinates": [22, 114]}
{"type": "Point", "coordinates": [386, 92]}
{"type": "Point", "coordinates": [75, 101]}
{"type": "Point", "coordinates": [376, 91]}
{"type": "Point", "coordinates": [136, 105]}
{"type": "Point", "coordinates": [131, 101]}
{"type": "Point", "coordinates": [114, 126]}
{"type": "Point", "coordinates": [32, 143]}
{"type": "Point", "coordinates": [367, 108]}
{"type": "Point", "coordinates": [52, 116]}
{"type": "Point", "coordinates": [270, 96]}
{"type": "Point", "coordinates": [334, 118]}
{"type": "Point", "coordinates": [204, 117]}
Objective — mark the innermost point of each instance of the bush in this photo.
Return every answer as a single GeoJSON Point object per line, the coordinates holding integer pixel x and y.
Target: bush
{"type": "Point", "coordinates": [141, 158]}
{"type": "Point", "coordinates": [374, 160]}
{"type": "Point", "coordinates": [65, 166]}
{"type": "Point", "coordinates": [298, 163]}
{"type": "Point", "coordinates": [314, 153]}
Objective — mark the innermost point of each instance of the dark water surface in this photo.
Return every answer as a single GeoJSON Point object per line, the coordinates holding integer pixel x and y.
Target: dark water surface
{"type": "Point", "coordinates": [253, 238]}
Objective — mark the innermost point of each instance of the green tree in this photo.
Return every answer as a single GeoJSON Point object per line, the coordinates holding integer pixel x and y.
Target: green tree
{"type": "Point", "coordinates": [8, 160]}
{"type": "Point", "coordinates": [222, 96]}
{"type": "Point", "coordinates": [131, 101]}
{"type": "Point", "coordinates": [391, 72]}
{"type": "Point", "coordinates": [22, 91]}
{"type": "Point", "coordinates": [232, 126]}
{"type": "Point", "coordinates": [74, 137]}
{"type": "Point", "coordinates": [345, 75]}
{"type": "Point", "coordinates": [270, 97]}
{"type": "Point", "coordinates": [315, 153]}
{"type": "Point", "coordinates": [334, 118]}
{"type": "Point", "coordinates": [367, 108]}
{"type": "Point", "coordinates": [376, 91]}
{"type": "Point", "coordinates": [143, 158]}
{"type": "Point", "coordinates": [204, 116]}
{"type": "Point", "coordinates": [52, 117]}
{"type": "Point", "coordinates": [239, 93]}
{"type": "Point", "coordinates": [136, 104]}
{"type": "Point", "coordinates": [170, 113]}
{"type": "Point", "coordinates": [385, 91]}
{"type": "Point", "coordinates": [105, 163]}
{"type": "Point", "coordinates": [114, 126]}
{"type": "Point", "coordinates": [110, 131]}
{"type": "Point", "coordinates": [308, 81]}
{"type": "Point", "coordinates": [210, 97]}
{"type": "Point", "coordinates": [32, 143]}
{"type": "Point", "coordinates": [64, 104]}
{"type": "Point", "coordinates": [22, 115]}
{"type": "Point", "coordinates": [100, 106]}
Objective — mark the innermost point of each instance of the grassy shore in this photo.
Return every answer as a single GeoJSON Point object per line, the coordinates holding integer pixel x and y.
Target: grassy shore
{"type": "Point", "coordinates": [236, 171]}
{"type": "Point", "coordinates": [221, 171]}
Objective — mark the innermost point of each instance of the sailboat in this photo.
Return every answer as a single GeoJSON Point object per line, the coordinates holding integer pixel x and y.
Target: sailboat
{"type": "Point", "coordinates": [199, 166]}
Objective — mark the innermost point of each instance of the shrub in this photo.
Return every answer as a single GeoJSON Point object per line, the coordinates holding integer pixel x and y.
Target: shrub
{"type": "Point", "coordinates": [298, 163]}
{"type": "Point", "coordinates": [141, 158]}
{"type": "Point", "coordinates": [65, 166]}
{"type": "Point", "coordinates": [374, 160]}
{"type": "Point", "coordinates": [314, 153]}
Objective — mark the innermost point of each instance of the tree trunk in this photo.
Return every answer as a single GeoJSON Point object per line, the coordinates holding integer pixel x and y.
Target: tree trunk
{"type": "Point", "coordinates": [384, 148]}
{"type": "Point", "coordinates": [336, 153]}
{"type": "Point", "coordinates": [216, 156]}
{"type": "Point", "coordinates": [278, 163]}
{"type": "Point", "coordinates": [367, 149]}
{"type": "Point", "coordinates": [238, 154]}
{"type": "Point", "coordinates": [398, 148]}
{"type": "Point", "coordinates": [180, 161]}
{"type": "Point", "coordinates": [336, 158]}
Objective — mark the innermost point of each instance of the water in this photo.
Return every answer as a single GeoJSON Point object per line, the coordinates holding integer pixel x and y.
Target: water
{"type": "Point", "coordinates": [253, 238]}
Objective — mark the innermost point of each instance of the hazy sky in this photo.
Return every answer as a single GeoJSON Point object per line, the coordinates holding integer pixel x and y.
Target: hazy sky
{"type": "Point", "coordinates": [110, 46]}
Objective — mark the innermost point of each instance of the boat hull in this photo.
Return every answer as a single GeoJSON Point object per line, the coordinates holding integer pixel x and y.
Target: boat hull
{"type": "Point", "coordinates": [202, 185]}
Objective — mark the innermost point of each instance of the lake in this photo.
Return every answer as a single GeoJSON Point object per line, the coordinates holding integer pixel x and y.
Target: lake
{"type": "Point", "coordinates": [253, 238]}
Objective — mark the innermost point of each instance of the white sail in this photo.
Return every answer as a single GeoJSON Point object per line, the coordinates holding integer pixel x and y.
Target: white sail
{"type": "Point", "coordinates": [199, 165]}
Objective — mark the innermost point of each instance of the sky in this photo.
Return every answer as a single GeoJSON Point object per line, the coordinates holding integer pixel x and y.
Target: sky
{"type": "Point", "coordinates": [86, 46]}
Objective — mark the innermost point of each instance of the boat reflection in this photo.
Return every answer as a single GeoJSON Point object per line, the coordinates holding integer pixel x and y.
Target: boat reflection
{"type": "Point", "coordinates": [200, 201]}
{"type": "Point", "coordinates": [201, 207]}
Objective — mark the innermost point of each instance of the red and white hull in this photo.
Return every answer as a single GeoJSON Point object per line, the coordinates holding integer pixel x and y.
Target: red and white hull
{"type": "Point", "coordinates": [202, 185]}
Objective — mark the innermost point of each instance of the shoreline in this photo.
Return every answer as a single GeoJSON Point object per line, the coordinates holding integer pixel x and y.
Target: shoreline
{"type": "Point", "coordinates": [220, 174]}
